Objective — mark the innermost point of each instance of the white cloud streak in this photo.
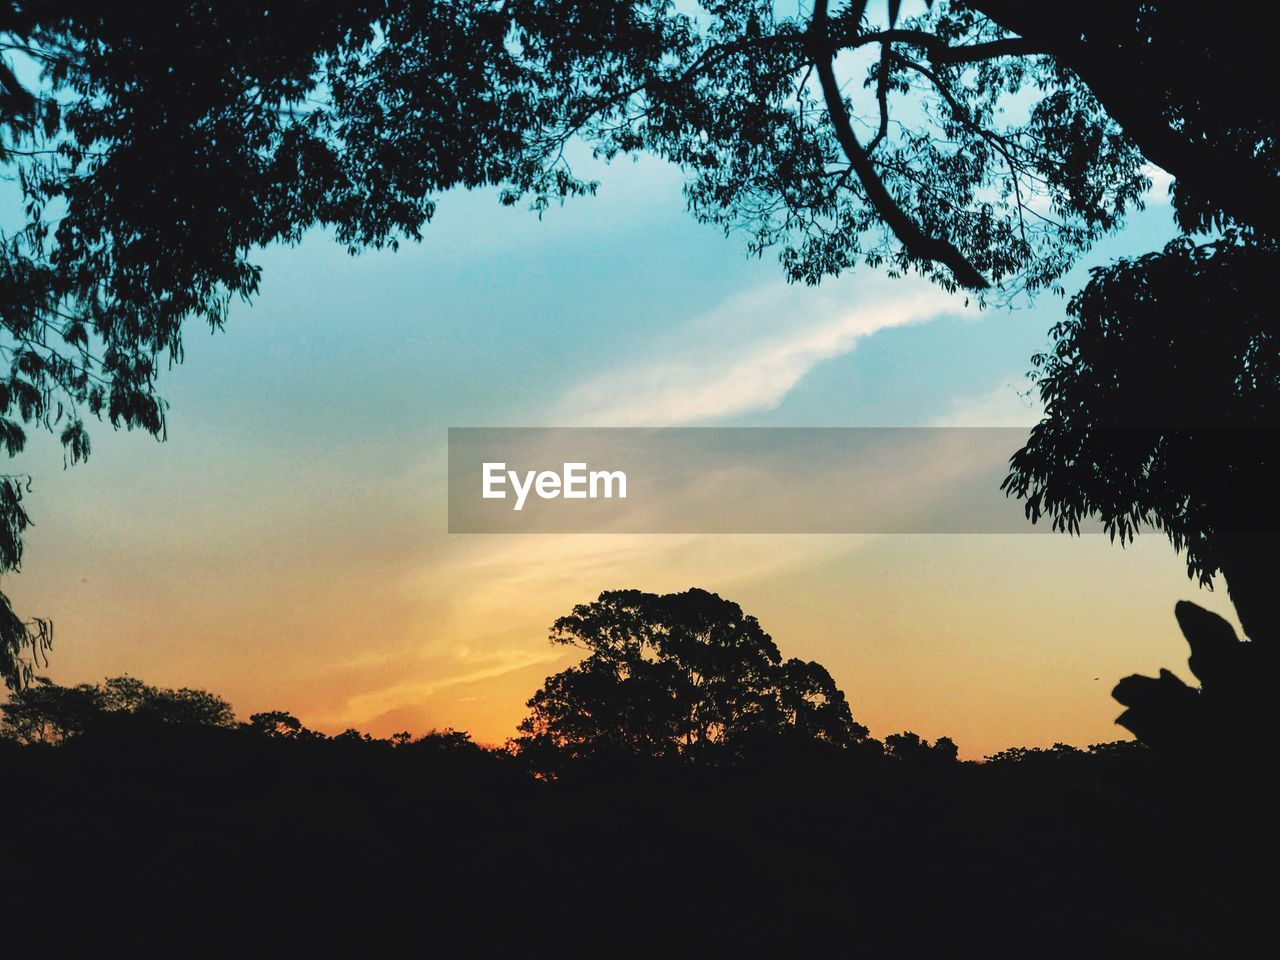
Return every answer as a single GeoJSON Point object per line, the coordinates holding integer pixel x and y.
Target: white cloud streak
{"type": "Point", "coordinates": [744, 356]}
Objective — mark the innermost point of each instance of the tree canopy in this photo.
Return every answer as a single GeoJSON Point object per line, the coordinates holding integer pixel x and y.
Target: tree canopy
{"type": "Point", "coordinates": [1162, 399]}
{"type": "Point", "coordinates": [46, 712]}
{"type": "Point", "coordinates": [678, 676]}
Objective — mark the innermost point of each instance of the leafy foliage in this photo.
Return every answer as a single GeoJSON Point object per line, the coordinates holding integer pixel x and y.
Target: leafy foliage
{"type": "Point", "coordinates": [685, 675]}
{"type": "Point", "coordinates": [45, 712]}
{"type": "Point", "coordinates": [1161, 390]}
{"type": "Point", "coordinates": [1161, 397]}
{"type": "Point", "coordinates": [23, 643]}
{"type": "Point", "coordinates": [910, 748]}
{"type": "Point", "coordinates": [157, 153]}
{"type": "Point", "coordinates": [1228, 718]}
{"type": "Point", "coordinates": [1190, 87]}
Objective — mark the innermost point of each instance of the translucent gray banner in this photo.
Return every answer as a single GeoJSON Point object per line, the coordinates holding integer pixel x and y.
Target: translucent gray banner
{"type": "Point", "coordinates": [733, 480]}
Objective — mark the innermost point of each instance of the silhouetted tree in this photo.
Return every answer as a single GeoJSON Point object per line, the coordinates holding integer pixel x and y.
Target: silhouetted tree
{"type": "Point", "coordinates": [1162, 391]}
{"type": "Point", "coordinates": [1162, 398]}
{"type": "Point", "coordinates": [1213, 128]}
{"type": "Point", "coordinates": [277, 724]}
{"type": "Point", "coordinates": [1162, 402]}
{"type": "Point", "coordinates": [910, 748]}
{"type": "Point", "coordinates": [311, 837]}
{"type": "Point", "coordinates": [45, 712]}
{"type": "Point", "coordinates": [683, 675]}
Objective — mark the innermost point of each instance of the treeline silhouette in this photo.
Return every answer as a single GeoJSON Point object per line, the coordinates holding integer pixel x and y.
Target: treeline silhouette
{"type": "Point", "coordinates": [140, 807]}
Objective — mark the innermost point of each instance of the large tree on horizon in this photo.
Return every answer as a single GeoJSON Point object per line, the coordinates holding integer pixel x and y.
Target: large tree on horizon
{"type": "Point", "coordinates": [677, 676]}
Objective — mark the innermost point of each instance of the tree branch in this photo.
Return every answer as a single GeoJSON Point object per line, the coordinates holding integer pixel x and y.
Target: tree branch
{"type": "Point", "coordinates": [908, 232]}
{"type": "Point", "coordinates": [992, 50]}
{"type": "Point", "coordinates": [1096, 39]}
{"type": "Point", "coordinates": [882, 97]}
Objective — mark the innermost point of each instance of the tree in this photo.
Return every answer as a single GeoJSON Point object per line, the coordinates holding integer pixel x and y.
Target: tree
{"type": "Point", "coordinates": [1212, 127]}
{"type": "Point", "coordinates": [45, 712]}
{"type": "Point", "coordinates": [1161, 390]}
{"type": "Point", "coordinates": [910, 748]}
{"type": "Point", "coordinates": [678, 676]}
{"type": "Point", "coordinates": [277, 725]}
{"type": "Point", "coordinates": [993, 141]}
{"type": "Point", "coordinates": [1162, 398]}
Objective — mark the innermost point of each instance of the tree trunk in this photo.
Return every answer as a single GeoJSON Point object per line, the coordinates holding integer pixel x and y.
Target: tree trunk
{"type": "Point", "coordinates": [1137, 57]}
{"type": "Point", "coordinates": [1251, 569]}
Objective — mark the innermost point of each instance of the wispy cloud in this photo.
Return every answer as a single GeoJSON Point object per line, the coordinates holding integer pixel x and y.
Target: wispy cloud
{"type": "Point", "coordinates": [745, 355]}
{"type": "Point", "coordinates": [442, 673]}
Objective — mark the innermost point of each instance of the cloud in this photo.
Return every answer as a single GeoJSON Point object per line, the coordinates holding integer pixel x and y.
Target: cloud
{"type": "Point", "coordinates": [745, 355]}
{"type": "Point", "coordinates": [442, 673]}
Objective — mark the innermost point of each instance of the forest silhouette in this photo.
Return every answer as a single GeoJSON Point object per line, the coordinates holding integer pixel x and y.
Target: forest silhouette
{"type": "Point", "coordinates": [682, 787]}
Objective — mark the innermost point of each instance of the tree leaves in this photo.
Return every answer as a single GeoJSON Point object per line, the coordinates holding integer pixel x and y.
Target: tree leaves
{"type": "Point", "coordinates": [683, 675]}
{"type": "Point", "coordinates": [1162, 400]}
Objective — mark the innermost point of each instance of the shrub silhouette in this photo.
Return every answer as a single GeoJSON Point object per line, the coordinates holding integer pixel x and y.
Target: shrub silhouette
{"type": "Point", "coordinates": [1229, 717]}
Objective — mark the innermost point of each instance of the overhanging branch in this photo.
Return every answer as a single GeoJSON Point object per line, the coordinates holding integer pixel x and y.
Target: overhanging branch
{"type": "Point", "coordinates": [908, 232]}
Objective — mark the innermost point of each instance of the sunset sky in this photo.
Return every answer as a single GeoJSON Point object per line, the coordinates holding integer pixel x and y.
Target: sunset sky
{"type": "Point", "coordinates": [287, 548]}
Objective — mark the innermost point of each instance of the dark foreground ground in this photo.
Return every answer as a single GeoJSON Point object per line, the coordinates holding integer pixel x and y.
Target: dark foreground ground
{"type": "Point", "coordinates": [440, 847]}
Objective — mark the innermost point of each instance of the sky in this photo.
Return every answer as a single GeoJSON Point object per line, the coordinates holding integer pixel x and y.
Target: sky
{"type": "Point", "coordinates": [287, 546]}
